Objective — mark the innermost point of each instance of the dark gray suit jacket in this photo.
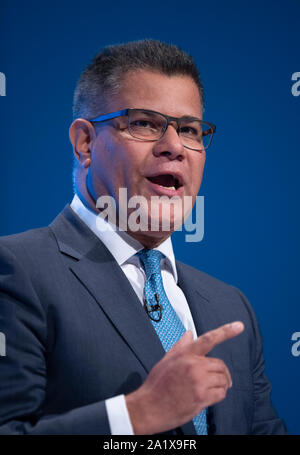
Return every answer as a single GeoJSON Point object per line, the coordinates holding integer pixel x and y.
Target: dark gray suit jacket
{"type": "Point", "coordinates": [76, 334]}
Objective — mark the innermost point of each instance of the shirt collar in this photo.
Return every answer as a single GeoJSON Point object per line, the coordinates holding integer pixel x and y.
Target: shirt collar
{"type": "Point", "coordinates": [121, 245]}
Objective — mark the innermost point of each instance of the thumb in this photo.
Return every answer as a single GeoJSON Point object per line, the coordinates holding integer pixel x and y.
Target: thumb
{"type": "Point", "coordinates": [186, 339]}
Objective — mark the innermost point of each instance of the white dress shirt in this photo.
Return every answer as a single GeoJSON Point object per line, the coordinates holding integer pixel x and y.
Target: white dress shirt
{"type": "Point", "coordinates": [124, 249]}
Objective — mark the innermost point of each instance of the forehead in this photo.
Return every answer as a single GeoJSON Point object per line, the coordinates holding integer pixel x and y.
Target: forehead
{"type": "Point", "coordinates": [172, 95]}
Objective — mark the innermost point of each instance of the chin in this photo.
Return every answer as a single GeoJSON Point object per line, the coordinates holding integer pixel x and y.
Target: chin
{"type": "Point", "coordinates": [163, 227]}
{"type": "Point", "coordinates": [156, 219]}
{"type": "Point", "coordinates": [167, 216]}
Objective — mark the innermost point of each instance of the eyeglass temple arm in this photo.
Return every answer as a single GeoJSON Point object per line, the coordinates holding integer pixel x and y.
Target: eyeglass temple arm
{"type": "Point", "coordinates": [102, 118]}
{"type": "Point", "coordinates": [211, 130]}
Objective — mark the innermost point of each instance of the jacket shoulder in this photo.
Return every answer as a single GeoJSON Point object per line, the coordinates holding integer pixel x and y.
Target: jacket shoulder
{"type": "Point", "coordinates": [39, 239]}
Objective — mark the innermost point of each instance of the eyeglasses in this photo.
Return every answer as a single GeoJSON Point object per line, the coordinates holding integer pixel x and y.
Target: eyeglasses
{"type": "Point", "coordinates": [148, 125]}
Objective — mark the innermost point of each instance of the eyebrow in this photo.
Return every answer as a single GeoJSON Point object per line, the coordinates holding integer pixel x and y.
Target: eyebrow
{"type": "Point", "coordinates": [189, 118]}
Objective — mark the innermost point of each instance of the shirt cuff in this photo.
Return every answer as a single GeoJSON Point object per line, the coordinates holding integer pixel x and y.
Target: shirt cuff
{"type": "Point", "coordinates": [118, 416]}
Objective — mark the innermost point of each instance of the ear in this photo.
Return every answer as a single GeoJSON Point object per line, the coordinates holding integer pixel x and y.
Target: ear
{"type": "Point", "coordinates": [82, 135]}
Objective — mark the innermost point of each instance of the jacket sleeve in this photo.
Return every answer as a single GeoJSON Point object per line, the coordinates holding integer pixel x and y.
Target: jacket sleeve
{"type": "Point", "coordinates": [23, 372]}
{"type": "Point", "coordinates": [265, 419]}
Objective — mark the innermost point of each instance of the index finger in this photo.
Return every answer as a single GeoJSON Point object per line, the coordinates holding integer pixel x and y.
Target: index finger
{"type": "Point", "coordinates": [210, 339]}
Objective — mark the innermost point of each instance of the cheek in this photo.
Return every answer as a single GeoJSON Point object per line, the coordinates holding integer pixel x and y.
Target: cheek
{"type": "Point", "coordinates": [107, 161]}
{"type": "Point", "coordinates": [197, 168]}
{"type": "Point", "coordinates": [132, 167]}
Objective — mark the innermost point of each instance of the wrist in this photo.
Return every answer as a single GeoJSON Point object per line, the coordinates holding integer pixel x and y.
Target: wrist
{"type": "Point", "coordinates": [137, 410]}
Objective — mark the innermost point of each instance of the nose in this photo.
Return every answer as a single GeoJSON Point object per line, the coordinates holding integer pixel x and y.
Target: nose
{"type": "Point", "coordinates": [170, 145]}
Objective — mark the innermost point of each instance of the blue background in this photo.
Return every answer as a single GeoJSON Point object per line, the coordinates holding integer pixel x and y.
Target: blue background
{"type": "Point", "coordinates": [246, 53]}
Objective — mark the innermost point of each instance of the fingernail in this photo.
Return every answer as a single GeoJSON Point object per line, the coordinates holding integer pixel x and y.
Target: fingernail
{"type": "Point", "coordinates": [237, 326]}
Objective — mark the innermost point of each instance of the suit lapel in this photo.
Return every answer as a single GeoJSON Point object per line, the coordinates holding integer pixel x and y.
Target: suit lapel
{"type": "Point", "coordinates": [197, 298]}
{"type": "Point", "coordinates": [98, 271]}
{"type": "Point", "coordinates": [108, 284]}
{"type": "Point", "coordinates": [204, 309]}
{"type": "Point", "coordinates": [206, 317]}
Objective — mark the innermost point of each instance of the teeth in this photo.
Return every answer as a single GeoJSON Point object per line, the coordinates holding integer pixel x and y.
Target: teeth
{"type": "Point", "coordinates": [169, 187]}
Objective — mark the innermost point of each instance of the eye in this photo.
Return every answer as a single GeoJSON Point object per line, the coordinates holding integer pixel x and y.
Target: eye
{"type": "Point", "coordinates": [189, 131]}
{"type": "Point", "coordinates": [143, 124]}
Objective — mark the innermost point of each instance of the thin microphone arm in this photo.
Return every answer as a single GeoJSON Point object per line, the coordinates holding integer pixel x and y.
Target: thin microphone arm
{"type": "Point", "coordinates": [153, 308]}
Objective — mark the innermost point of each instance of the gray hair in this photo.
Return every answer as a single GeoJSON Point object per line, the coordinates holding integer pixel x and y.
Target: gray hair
{"type": "Point", "coordinates": [102, 78]}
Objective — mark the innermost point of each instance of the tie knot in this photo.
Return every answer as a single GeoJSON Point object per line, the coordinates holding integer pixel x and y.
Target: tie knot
{"type": "Point", "coordinates": [150, 260]}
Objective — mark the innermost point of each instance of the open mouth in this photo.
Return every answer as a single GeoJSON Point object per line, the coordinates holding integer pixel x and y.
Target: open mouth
{"type": "Point", "coordinates": [167, 181]}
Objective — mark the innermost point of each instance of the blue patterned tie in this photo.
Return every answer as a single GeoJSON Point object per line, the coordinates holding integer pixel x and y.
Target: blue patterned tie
{"type": "Point", "coordinates": [167, 324]}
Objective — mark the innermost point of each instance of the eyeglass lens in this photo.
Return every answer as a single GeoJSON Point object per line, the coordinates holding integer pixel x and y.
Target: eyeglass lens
{"type": "Point", "coordinates": [151, 126]}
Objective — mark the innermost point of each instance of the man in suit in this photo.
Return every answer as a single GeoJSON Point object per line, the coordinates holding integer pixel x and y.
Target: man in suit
{"type": "Point", "coordinates": [82, 354]}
